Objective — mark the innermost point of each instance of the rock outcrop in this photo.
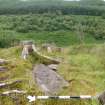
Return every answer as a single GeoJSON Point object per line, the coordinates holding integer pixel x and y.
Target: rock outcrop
{"type": "Point", "coordinates": [13, 91]}
{"type": "Point", "coordinates": [3, 61]}
{"type": "Point", "coordinates": [48, 80]}
{"type": "Point", "coordinates": [53, 66]}
{"type": "Point", "coordinates": [3, 68]}
{"type": "Point", "coordinates": [51, 48]}
{"type": "Point", "coordinates": [2, 85]}
{"type": "Point", "coordinates": [29, 47]}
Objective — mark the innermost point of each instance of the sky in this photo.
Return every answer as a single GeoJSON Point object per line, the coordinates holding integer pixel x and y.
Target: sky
{"type": "Point", "coordinates": [64, 0]}
{"type": "Point", "coordinates": [24, 0]}
{"type": "Point", "coordinates": [76, 0]}
{"type": "Point", "coordinates": [71, 0]}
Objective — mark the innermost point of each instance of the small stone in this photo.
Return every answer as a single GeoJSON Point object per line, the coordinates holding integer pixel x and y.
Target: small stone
{"type": "Point", "coordinates": [53, 66]}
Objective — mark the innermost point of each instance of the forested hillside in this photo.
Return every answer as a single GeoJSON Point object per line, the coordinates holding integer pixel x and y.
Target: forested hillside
{"type": "Point", "coordinates": [62, 22]}
{"type": "Point", "coordinates": [83, 7]}
{"type": "Point", "coordinates": [58, 28]}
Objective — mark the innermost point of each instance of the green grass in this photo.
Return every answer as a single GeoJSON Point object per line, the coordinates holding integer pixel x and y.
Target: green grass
{"type": "Point", "coordinates": [83, 64]}
{"type": "Point", "coordinates": [60, 38]}
{"type": "Point", "coordinates": [83, 68]}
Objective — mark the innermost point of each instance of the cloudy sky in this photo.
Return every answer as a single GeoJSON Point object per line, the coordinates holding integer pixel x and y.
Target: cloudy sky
{"type": "Point", "coordinates": [71, 0]}
{"type": "Point", "coordinates": [64, 0]}
{"type": "Point", "coordinates": [23, 0]}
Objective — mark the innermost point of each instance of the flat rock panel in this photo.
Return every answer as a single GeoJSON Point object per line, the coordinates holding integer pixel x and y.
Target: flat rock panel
{"type": "Point", "coordinates": [48, 80]}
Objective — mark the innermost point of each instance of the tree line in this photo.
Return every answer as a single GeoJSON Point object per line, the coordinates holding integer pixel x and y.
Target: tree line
{"type": "Point", "coordinates": [54, 22]}
{"type": "Point", "coordinates": [84, 7]}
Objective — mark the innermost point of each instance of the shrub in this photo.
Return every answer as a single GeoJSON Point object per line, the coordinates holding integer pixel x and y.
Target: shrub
{"type": "Point", "coordinates": [8, 39]}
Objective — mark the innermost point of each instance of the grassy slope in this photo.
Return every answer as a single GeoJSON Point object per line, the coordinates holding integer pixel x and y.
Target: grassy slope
{"type": "Point", "coordinates": [61, 37]}
{"type": "Point", "coordinates": [83, 67]}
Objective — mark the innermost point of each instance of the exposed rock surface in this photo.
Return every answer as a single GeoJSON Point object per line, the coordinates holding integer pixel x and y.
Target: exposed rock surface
{"type": "Point", "coordinates": [29, 47]}
{"type": "Point", "coordinates": [48, 60]}
{"type": "Point", "coordinates": [3, 68]}
{"type": "Point", "coordinates": [48, 80]}
{"type": "Point", "coordinates": [53, 66]}
{"type": "Point", "coordinates": [2, 85]}
{"type": "Point", "coordinates": [26, 42]}
{"type": "Point", "coordinates": [13, 91]}
{"type": "Point", "coordinates": [101, 98]}
{"type": "Point", "coordinates": [3, 61]}
{"type": "Point", "coordinates": [51, 48]}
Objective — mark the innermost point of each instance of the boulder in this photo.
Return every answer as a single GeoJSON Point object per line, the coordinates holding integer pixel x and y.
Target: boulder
{"type": "Point", "coordinates": [48, 80]}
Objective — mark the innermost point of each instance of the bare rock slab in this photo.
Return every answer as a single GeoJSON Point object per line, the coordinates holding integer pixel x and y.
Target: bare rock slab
{"type": "Point", "coordinates": [48, 80]}
{"type": "Point", "coordinates": [53, 66]}
{"type": "Point", "coordinates": [3, 61]}
{"type": "Point", "coordinates": [3, 68]}
{"type": "Point", "coordinates": [3, 85]}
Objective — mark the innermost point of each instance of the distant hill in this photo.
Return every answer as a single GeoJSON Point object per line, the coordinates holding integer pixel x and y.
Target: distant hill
{"type": "Point", "coordinates": [83, 7]}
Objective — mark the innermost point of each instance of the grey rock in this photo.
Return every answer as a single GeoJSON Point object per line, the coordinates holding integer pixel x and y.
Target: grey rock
{"type": "Point", "coordinates": [101, 98]}
{"type": "Point", "coordinates": [3, 68]}
{"type": "Point", "coordinates": [53, 66]}
{"type": "Point", "coordinates": [48, 80]}
{"type": "Point", "coordinates": [26, 42]}
{"type": "Point", "coordinates": [3, 61]}
{"type": "Point", "coordinates": [2, 85]}
{"type": "Point", "coordinates": [51, 48]}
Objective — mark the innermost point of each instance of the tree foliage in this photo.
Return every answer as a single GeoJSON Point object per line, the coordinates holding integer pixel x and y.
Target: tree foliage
{"type": "Point", "coordinates": [84, 7]}
{"type": "Point", "coordinates": [54, 22]}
